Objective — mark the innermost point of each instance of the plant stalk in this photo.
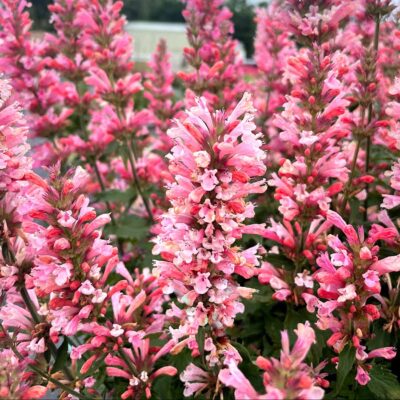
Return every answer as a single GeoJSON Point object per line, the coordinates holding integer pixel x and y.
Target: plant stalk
{"type": "Point", "coordinates": [132, 164]}
{"type": "Point", "coordinates": [369, 116]}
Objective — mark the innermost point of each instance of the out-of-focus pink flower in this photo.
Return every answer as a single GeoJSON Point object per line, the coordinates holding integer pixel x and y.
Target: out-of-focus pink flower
{"type": "Point", "coordinates": [160, 93]}
{"type": "Point", "coordinates": [216, 67]}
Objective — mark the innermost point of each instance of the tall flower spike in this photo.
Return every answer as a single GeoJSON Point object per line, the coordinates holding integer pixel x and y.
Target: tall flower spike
{"type": "Point", "coordinates": [72, 262]}
{"type": "Point", "coordinates": [348, 279]}
{"type": "Point", "coordinates": [39, 89]}
{"type": "Point", "coordinates": [109, 47]}
{"type": "Point", "coordinates": [160, 93]}
{"type": "Point", "coordinates": [216, 67]}
{"type": "Point", "coordinates": [214, 161]}
{"type": "Point", "coordinates": [21, 331]}
{"type": "Point", "coordinates": [312, 126]}
{"type": "Point", "coordinates": [272, 47]}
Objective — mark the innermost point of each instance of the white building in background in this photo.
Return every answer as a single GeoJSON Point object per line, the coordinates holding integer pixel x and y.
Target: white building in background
{"type": "Point", "coordinates": [146, 36]}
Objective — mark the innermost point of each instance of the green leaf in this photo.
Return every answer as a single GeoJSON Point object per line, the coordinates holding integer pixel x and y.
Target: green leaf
{"type": "Point", "coordinates": [383, 383]}
{"type": "Point", "coordinates": [115, 195]}
{"type": "Point", "coordinates": [279, 260]}
{"type": "Point", "coordinates": [346, 362]}
{"type": "Point", "coordinates": [295, 315]}
{"type": "Point", "coordinates": [200, 338]}
{"type": "Point", "coordinates": [181, 360]}
{"type": "Point", "coordinates": [130, 227]}
{"type": "Point", "coordinates": [61, 358]}
{"type": "Point", "coordinates": [243, 351]}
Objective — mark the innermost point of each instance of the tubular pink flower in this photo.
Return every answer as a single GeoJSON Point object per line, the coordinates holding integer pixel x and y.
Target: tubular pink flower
{"type": "Point", "coordinates": [385, 352]}
{"type": "Point", "coordinates": [386, 265]}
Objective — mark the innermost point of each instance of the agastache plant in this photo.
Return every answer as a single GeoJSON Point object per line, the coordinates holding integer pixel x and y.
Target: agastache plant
{"type": "Point", "coordinates": [114, 83]}
{"type": "Point", "coordinates": [212, 230]}
{"type": "Point", "coordinates": [215, 159]}
{"type": "Point", "coordinates": [311, 127]}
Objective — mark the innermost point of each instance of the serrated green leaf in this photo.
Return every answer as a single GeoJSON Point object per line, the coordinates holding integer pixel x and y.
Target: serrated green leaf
{"type": "Point", "coordinates": [346, 362]}
{"type": "Point", "coordinates": [130, 227]}
{"type": "Point", "coordinates": [181, 360]}
{"type": "Point", "coordinates": [383, 383]}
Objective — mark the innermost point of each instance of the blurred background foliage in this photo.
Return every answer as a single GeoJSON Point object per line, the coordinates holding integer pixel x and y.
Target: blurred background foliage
{"type": "Point", "coordinates": [168, 11]}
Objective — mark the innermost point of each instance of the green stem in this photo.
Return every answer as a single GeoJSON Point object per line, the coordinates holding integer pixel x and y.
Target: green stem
{"type": "Point", "coordinates": [103, 188]}
{"type": "Point", "coordinates": [40, 372]}
{"type": "Point", "coordinates": [131, 158]}
{"type": "Point", "coordinates": [128, 362]}
{"type": "Point", "coordinates": [29, 305]}
{"type": "Point", "coordinates": [58, 383]}
{"type": "Point", "coordinates": [352, 173]}
{"type": "Point", "coordinates": [369, 118]}
{"type": "Point", "coordinates": [136, 180]}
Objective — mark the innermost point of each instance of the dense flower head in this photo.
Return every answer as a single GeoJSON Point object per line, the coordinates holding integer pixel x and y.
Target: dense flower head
{"type": "Point", "coordinates": [312, 124]}
{"type": "Point", "coordinates": [312, 21]}
{"type": "Point", "coordinates": [38, 88]}
{"type": "Point", "coordinates": [215, 159]}
{"type": "Point", "coordinates": [13, 160]}
{"type": "Point", "coordinates": [72, 261]}
{"type": "Point", "coordinates": [101, 21]}
{"type": "Point", "coordinates": [348, 279]}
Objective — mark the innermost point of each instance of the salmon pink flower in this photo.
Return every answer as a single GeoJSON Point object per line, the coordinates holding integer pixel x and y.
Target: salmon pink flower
{"type": "Point", "coordinates": [215, 159]}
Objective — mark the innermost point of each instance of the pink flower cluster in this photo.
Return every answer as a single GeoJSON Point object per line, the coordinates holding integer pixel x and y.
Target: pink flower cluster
{"type": "Point", "coordinates": [214, 159]}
